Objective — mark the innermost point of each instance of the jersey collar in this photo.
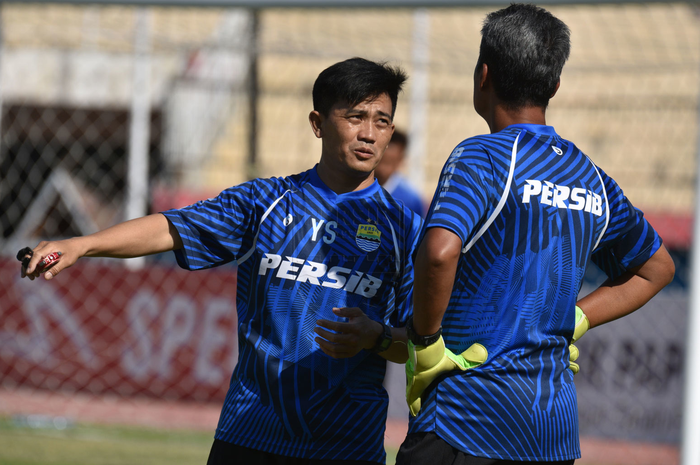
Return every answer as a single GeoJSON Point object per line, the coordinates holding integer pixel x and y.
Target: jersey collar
{"type": "Point", "coordinates": [536, 128]}
{"type": "Point", "coordinates": [327, 192]}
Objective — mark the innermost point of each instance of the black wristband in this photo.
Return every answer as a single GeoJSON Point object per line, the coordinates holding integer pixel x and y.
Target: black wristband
{"type": "Point", "coordinates": [419, 340]}
{"type": "Point", "coordinates": [384, 340]}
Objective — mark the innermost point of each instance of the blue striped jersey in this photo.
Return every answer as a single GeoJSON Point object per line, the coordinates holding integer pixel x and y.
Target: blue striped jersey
{"type": "Point", "coordinates": [301, 250]}
{"type": "Point", "coordinates": [532, 211]}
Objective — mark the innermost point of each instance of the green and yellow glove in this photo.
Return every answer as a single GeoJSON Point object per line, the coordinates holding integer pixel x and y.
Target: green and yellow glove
{"type": "Point", "coordinates": [580, 329]}
{"type": "Point", "coordinates": [425, 363]}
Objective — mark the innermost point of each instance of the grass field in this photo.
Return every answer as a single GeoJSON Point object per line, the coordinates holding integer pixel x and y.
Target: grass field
{"type": "Point", "coordinates": [93, 444]}
{"type": "Point", "coordinates": [85, 444]}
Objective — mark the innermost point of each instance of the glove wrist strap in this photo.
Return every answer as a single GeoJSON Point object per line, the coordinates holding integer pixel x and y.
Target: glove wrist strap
{"type": "Point", "coordinates": [419, 340]}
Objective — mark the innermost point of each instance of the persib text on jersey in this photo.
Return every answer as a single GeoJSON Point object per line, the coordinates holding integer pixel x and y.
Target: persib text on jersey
{"type": "Point", "coordinates": [576, 198]}
{"type": "Point", "coordinates": [337, 277]}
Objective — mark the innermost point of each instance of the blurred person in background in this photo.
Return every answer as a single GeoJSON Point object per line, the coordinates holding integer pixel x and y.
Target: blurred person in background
{"type": "Point", "coordinates": [325, 279]}
{"type": "Point", "coordinates": [517, 217]}
{"type": "Point", "coordinates": [387, 173]}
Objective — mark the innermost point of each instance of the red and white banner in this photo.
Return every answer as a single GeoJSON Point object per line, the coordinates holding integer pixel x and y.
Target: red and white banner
{"type": "Point", "coordinates": [101, 328]}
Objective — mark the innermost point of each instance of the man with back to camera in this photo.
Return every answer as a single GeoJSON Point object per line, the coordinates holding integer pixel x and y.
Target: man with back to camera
{"type": "Point", "coordinates": [516, 218]}
{"type": "Point", "coordinates": [387, 173]}
{"type": "Point", "coordinates": [326, 248]}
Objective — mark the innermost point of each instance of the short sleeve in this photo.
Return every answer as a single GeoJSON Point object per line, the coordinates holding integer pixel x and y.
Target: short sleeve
{"type": "Point", "coordinates": [462, 196]}
{"type": "Point", "coordinates": [629, 239]}
{"type": "Point", "coordinates": [214, 231]}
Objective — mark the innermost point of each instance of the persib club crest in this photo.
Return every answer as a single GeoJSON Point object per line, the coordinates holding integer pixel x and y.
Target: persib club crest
{"type": "Point", "coordinates": [368, 237]}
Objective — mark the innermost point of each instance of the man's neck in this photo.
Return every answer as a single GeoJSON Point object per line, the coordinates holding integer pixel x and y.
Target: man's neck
{"type": "Point", "coordinates": [340, 183]}
{"type": "Point", "coordinates": [502, 117]}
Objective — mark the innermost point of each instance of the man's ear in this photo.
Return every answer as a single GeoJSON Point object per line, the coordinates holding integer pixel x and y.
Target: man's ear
{"type": "Point", "coordinates": [484, 77]}
{"type": "Point", "coordinates": [316, 119]}
{"type": "Point", "coordinates": [556, 88]}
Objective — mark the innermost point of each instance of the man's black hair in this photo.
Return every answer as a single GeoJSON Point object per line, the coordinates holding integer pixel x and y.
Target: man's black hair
{"type": "Point", "coordinates": [525, 48]}
{"type": "Point", "coordinates": [355, 80]}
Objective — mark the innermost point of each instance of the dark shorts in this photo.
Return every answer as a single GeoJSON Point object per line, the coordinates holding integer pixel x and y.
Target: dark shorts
{"type": "Point", "coordinates": [225, 453]}
{"type": "Point", "coordinates": [430, 449]}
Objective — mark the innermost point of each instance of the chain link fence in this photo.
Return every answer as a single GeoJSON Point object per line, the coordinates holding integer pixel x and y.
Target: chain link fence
{"type": "Point", "coordinates": [227, 97]}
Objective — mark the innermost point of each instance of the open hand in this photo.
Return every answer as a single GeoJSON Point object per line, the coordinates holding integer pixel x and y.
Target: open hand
{"type": "Point", "coordinates": [346, 339]}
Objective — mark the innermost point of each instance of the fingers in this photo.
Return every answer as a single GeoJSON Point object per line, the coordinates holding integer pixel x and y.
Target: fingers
{"type": "Point", "coordinates": [337, 326]}
{"type": "Point", "coordinates": [341, 339]}
{"type": "Point", "coordinates": [348, 312]}
{"type": "Point", "coordinates": [41, 260]}
{"type": "Point", "coordinates": [338, 345]}
{"type": "Point", "coordinates": [338, 340]}
{"type": "Point", "coordinates": [476, 353]}
{"type": "Point", "coordinates": [49, 260]}
{"type": "Point", "coordinates": [414, 406]}
{"type": "Point", "coordinates": [354, 325]}
{"type": "Point", "coordinates": [573, 352]}
{"type": "Point", "coordinates": [36, 257]}
{"type": "Point", "coordinates": [574, 367]}
{"type": "Point", "coordinates": [337, 337]}
{"type": "Point", "coordinates": [336, 350]}
{"type": "Point", "coordinates": [48, 265]}
{"type": "Point", "coordinates": [32, 271]}
{"type": "Point", "coordinates": [573, 356]}
{"type": "Point", "coordinates": [51, 272]}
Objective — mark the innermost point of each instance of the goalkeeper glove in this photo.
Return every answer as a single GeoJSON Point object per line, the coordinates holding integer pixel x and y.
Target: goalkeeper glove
{"type": "Point", "coordinates": [425, 363]}
{"type": "Point", "coordinates": [580, 329]}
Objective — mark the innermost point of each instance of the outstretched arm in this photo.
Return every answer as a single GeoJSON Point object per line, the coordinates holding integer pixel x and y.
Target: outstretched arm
{"type": "Point", "coordinates": [619, 297]}
{"type": "Point", "coordinates": [134, 238]}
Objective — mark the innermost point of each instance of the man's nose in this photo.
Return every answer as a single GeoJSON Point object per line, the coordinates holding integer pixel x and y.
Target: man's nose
{"type": "Point", "coordinates": [367, 133]}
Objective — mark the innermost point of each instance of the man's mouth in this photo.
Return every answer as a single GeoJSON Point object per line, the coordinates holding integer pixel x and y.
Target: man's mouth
{"type": "Point", "coordinates": [364, 152]}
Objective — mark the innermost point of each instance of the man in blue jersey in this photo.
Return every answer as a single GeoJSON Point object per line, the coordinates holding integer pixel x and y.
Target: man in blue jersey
{"type": "Point", "coordinates": [325, 277]}
{"type": "Point", "coordinates": [517, 216]}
